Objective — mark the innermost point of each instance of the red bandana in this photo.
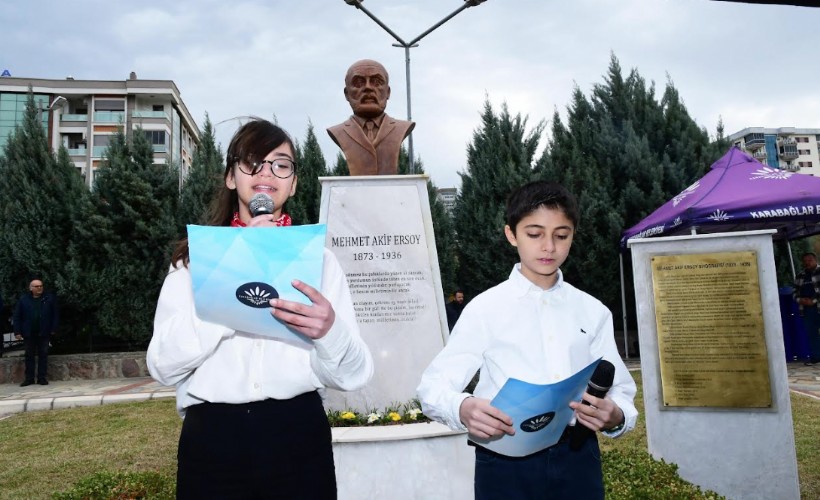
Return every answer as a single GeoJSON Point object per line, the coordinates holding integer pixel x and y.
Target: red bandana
{"type": "Point", "coordinates": [283, 220]}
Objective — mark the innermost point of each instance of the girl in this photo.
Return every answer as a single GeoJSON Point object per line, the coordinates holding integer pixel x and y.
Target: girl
{"type": "Point", "coordinates": [254, 425]}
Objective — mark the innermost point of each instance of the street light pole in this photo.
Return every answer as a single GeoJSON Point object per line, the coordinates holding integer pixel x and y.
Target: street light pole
{"type": "Point", "coordinates": [407, 46]}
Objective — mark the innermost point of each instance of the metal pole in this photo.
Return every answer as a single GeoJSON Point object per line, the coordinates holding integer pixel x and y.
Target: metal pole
{"type": "Point", "coordinates": [411, 166]}
{"type": "Point", "coordinates": [623, 305]}
{"type": "Point", "coordinates": [791, 260]}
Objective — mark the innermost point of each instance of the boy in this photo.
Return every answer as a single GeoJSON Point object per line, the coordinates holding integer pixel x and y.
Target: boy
{"type": "Point", "coordinates": [540, 329]}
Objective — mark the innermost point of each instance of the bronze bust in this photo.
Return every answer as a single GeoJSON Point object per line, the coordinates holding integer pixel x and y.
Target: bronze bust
{"type": "Point", "coordinates": [370, 139]}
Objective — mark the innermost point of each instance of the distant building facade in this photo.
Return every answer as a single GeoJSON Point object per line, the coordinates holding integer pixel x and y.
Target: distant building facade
{"type": "Point", "coordinates": [447, 196]}
{"type": "Point", "coordinates": [787, 148]}
{"type": "Point", "coordinates": [82, 115]}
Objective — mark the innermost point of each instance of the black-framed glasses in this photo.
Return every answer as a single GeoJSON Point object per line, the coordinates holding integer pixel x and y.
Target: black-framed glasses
{"type": "Point", "coordinates": [279, 167]}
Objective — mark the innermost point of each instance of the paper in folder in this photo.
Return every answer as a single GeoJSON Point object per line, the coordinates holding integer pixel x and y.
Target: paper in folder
{"type": "Point", "coordinates": [539, 412]}
{"type": "Point", "coordinates": [235, 271]}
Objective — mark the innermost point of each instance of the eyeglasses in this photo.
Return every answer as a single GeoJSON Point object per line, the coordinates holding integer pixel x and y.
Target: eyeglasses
{"type": "Point", "coordinates": [280, 167]}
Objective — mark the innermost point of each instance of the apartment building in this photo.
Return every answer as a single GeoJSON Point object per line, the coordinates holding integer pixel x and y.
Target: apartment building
{"type": "Point", "coordinates": [82, 115]}
{"type": "Point", "coordinates": [787, 148]}
{"type": "Point", "coordinates": [447, 196]}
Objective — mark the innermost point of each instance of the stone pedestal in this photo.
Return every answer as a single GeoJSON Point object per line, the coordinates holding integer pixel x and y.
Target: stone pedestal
{"type": "Point", "coordinates": [739, 452]}
{"type": "Point", "coordinates": [380, 229]}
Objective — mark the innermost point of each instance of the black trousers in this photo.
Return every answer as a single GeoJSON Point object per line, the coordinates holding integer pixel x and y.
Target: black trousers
{"type": "Point", "coordinates": [267, 449]}
{"type": "Point", "coordinates": [557, 473]}
{"type": "Point", "coordinates": [36, 346]}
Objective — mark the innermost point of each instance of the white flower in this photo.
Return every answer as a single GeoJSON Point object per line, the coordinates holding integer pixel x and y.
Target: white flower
{"type": "Point", "coordinates": [414, 413]}
{"type": "Point", "coordinates": [373, 417]}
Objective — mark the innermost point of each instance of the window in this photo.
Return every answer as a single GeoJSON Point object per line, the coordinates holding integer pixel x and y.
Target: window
{"type": "Point", "coordinates": [109, 105]}
{"type": "Point", "coordinates": [803, 152]}
{"type": "Point", "coordinates": [102, 140]}
{"type": "Point", "coordinates": [155, 137]}
{"type": "Point", "coordinates": [158, 107]}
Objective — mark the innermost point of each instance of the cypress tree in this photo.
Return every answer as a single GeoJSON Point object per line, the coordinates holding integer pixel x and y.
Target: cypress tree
{"type": "Point", "coordinates": [499, 159]}
{"type": "Point", "coordinates": [310, 166]}
{"type": "Point", "coordinates": [38, 197]}
{"type": "Point", "coordinates": [123, 245]}
{"type": "Point", "coordinates": [203, 182]}
{"type": "Point", "coordinates": [340, 169]}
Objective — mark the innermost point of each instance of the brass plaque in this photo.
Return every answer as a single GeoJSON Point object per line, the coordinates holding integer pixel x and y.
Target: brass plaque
{"type": "Point", "coordinates": [711, 341]}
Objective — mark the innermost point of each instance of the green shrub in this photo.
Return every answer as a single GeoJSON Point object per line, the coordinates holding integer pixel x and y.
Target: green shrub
{"type": "Point", "coordinates": [121, 486]}
{"type": "Point", "coordinates": [636, 475]}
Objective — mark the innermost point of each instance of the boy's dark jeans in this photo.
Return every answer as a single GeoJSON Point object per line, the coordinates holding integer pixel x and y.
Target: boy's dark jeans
{"type": "Point", "coordinates": [554, 473]}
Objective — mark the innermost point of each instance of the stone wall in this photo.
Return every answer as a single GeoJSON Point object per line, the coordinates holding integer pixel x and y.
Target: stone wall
{"type": "Point", "coordinates": [78, 366]}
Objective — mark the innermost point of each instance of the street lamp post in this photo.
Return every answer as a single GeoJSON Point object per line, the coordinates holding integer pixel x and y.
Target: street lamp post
{"type": "Point", "coordinates": [407, 46]}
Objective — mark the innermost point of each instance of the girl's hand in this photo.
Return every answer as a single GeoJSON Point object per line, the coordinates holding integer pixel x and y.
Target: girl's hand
{"type": "Point", "coordinates": [313, 320]}
{"type": "Point", "coordinates": [264, 220]}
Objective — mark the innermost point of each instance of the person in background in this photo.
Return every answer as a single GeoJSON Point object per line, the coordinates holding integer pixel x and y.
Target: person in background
{"type": "Point", "coordinates": [35, 320]}
{"type": "Point", "coordinates": [454, 308]}
{"type": "Point", "coordinates": [807, 294]}
{"type": "Point", "coordinates": [540, 329]}
{"type": "Point", "coordinates": [254, 425]}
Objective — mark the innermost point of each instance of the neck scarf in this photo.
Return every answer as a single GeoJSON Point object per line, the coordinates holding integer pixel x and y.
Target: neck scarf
{"type": "Point", "coordinates": [283, 220]}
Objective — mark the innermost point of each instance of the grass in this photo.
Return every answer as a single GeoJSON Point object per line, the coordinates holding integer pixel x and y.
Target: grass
{"type": "Point", "coordinates": [45, 452]}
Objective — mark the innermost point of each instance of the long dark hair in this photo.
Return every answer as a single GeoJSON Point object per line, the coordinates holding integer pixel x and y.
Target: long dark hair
{"type": "Point", "coordinates": [251, 143]}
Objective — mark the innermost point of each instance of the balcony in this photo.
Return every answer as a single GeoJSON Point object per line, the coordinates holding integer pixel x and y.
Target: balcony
{"type": "Point", "coordinates": [98, 151]}
{"type": "Point", "coordinates": [149, 114]}
{"type": "Point", "coordinates": [760, 154]}
{"type": "Point", "coordinates": [73, 117]}
{"type": "Point", "coordinates": [77, 151]}
{"type": "Point", "coordinates": [788, 152]}
{"type": "Point", "coordinates": [109, 116]}
{"type": "Point", "coordinates": [754, 141]}
{"type": "Point", "coordinates": [159, 148]}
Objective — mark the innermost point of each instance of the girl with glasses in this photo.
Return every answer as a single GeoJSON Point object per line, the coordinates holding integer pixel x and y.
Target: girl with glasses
{"type": "Point", "coordinates": [254, 425]}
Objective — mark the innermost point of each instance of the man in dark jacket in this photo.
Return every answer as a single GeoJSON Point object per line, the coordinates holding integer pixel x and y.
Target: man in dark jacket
{"type": "Point", "coordinates": [35, 321]}
{"type": "Point", "coordinates": [454, 308]}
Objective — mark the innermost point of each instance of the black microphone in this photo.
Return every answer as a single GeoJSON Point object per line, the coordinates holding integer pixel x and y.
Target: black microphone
{"type": "Point", "coordinates": [598, 386]}
{"type": "Point", "coordinates": [260, 204]}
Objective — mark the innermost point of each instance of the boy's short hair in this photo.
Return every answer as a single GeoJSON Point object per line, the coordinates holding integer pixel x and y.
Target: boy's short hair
{"type": "Point", "coordinates": [530, 197]}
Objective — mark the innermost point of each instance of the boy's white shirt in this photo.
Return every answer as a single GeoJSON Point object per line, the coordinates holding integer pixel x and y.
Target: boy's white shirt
{"type": "Point", "coordinates": [517, 329]}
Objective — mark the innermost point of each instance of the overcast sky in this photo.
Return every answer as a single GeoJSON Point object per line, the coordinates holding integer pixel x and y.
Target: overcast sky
{"type": "Point", "coordinates": [754, 65]}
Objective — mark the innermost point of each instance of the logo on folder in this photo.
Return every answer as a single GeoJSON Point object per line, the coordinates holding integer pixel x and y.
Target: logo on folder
{"type": "Point", "coordinates": [256, 294]}
{"type": "Point", "coordinates": [538, 422]}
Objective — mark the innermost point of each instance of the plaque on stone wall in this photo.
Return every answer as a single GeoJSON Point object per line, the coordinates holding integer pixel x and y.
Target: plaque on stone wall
{"type": "Point", "coordinates": [711, 339]}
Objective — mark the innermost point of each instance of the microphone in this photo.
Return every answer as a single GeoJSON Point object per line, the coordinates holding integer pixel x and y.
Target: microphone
{"type": "Point", "coordinates": [598, 386]}
{"type": "Point", "coordinates": [260, 204]}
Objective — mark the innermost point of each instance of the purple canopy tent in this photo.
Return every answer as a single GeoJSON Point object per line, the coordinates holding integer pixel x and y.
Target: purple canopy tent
{"type": "Point", "coordinates": [737, 194]}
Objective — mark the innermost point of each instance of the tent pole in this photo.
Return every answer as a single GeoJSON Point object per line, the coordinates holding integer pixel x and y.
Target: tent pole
{"type": "Point", "coordinates": [791, 260]}
{"type": "Point", "coordinates": [623, 304]}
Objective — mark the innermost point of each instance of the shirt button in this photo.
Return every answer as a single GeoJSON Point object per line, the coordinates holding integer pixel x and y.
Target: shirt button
{"type": "Point", "coordinates": [256, 386]}
{"type": "Point", "coordinates": [556, 377]}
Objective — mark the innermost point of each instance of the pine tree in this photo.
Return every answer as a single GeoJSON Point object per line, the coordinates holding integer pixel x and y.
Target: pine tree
{"type": "Point", "coordinates": [310, 166]}
{"type": "Point", "coordinates": [340, 169]}
{"type": "Point", "coordinates": [38, 197]}
{"type": "Point", "coordinates": [623, 153]}
{"type": "Point", "coordinates": [499, 159]}
{"type": "Point", "coordinates": [203, 182]}
{"type": "Point", "coordinates": [124, 237]}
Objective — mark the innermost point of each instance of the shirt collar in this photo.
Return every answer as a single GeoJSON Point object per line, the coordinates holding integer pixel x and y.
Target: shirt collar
{"type": "Point", "coordinates": [523, 286]}
{"type": "Point", "coordinates": [361, 121]}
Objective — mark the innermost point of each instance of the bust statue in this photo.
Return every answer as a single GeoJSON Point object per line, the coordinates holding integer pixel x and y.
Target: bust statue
{"type": "Point", "coordinates": [370, 139]}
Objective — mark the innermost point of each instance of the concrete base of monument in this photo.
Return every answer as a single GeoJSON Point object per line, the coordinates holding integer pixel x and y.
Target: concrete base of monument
{"type": "Point", "coordinates": [425, 460]}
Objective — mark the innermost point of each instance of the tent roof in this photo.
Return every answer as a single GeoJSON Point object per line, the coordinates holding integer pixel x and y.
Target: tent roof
{"type": "Point", "coordinates": [738, 194]}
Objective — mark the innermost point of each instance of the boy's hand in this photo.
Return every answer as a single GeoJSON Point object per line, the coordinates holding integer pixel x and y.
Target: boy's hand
{"type": "Point", "coordinates": [600, 413]}
{"type": "Point", "coordinates": [484, 420]}
{"type": "Point", "coordinates": [314, 320]}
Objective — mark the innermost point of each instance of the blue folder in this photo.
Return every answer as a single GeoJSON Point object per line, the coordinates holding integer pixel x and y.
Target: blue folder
{"type": "Point", "coordinates": [235, 271]}
{"type": "Point", "coordinates": [539, 412]}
